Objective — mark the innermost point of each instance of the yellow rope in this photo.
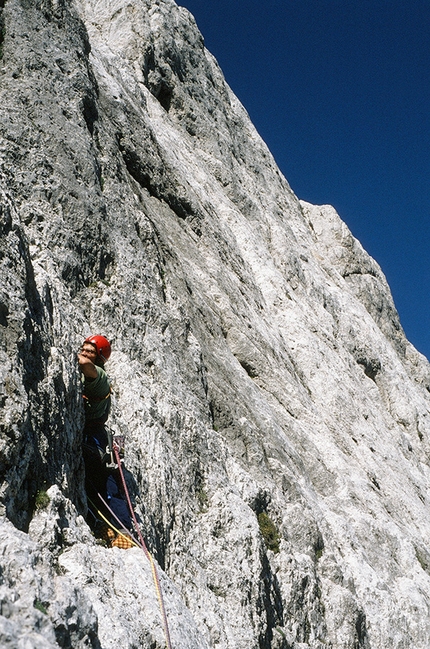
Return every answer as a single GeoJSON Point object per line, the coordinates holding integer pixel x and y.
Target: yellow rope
{"type": "Point", "coordinates": [129, 538]}
{"type": "Point", "coordinates": [146, 551]}
{"type": "Point", "coordinates": [153, 570]}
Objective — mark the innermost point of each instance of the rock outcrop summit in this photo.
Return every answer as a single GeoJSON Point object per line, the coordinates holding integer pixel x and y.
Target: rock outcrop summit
{"type": "Point", "coordinates": [276, 418]}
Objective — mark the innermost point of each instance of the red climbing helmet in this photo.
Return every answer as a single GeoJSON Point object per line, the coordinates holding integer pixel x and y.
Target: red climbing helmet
{"type": "Point", "coordinates": [101, 344]}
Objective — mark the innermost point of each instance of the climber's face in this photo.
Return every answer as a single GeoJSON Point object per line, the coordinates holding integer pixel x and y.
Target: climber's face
{"type": "Point", "coordinates": [89, 351]}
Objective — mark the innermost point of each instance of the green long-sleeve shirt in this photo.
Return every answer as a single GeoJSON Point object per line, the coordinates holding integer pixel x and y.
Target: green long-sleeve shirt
{"type": "Point", "coordinates": [96, 393]}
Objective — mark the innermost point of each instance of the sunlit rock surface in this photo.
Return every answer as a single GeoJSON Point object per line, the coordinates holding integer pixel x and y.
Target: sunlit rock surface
{"type": "Point", "coordinates": [276, 418]}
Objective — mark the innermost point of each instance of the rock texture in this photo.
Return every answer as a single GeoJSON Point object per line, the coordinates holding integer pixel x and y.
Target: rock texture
{"type": "Point", "coordinates": [276, 418]}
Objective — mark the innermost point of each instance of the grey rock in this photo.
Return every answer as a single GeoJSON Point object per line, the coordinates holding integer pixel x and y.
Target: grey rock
{"type": "Point", "coordinates": [276, 418]}
{"type": "Point", "coordinates": [40, 607]}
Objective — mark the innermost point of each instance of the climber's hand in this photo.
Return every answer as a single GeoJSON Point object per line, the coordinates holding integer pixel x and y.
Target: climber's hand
{"type": "Point", "coordinates": [87, 366]}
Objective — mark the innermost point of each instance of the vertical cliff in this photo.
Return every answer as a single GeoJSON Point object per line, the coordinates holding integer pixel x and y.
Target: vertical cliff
{"type": "Point", "coordinates": [276, 418]}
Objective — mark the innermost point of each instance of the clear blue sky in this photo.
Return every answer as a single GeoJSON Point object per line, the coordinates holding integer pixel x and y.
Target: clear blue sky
{"type": "Point", "coordinates": [340, 92]}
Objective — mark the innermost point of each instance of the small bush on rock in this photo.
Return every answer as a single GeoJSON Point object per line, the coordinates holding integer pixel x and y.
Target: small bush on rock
{"type": "Point", "coordinates": [42, 500]}
{"type": "Point", "coordinates": [269, 532]}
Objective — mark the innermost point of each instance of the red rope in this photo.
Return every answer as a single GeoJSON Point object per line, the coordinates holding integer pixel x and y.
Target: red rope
{"type": "Point", "coordinates": [145, 549]}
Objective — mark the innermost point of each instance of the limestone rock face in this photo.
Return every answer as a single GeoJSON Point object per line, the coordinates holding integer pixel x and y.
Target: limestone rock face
{"type": "Point", "coordinates": [276, 418]}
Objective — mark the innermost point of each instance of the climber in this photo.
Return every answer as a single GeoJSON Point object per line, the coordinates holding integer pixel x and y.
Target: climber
{"type": "Point", "coordinates": [102, 482]}
{"type": "Point", "coordinates": [96, 391]}
{"type": "Point", "coordinates": [92, 356]}
{"type": "Point", "coordinates": [96, 388]}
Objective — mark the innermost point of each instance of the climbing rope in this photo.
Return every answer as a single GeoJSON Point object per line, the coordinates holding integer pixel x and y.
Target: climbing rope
{"type": "Point", "coordinates": [145, 549]}
{"type": "Point", "coordinates": [108, 522]}
{"type": "Point", "coordinates": [112, 513]}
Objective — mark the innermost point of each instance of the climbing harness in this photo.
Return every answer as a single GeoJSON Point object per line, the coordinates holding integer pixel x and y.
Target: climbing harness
{"type": "Point", "coordinates": [97, 399]}
{"type": "Point", "coordinates": [105, 453]}
{"type": "Point", "coordinates": [145, 549]}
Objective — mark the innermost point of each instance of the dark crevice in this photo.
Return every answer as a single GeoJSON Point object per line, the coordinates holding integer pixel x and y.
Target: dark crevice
{"type": "Point", "coordinates": [249, 368]}
{"type": "Point", "coordinates": [156, 79]}
{"type": "Point", "coordinates": [164, 94]}
{"type": "Point", "coordinates": [371, 367]}
{"type": "Point", "coordinates": [361, 640]}
{"type": "Point", "coordinates": [158, 188]}
{"type": "Point", "coordinates": [31, 351]}
{"type": "Point", "coordinates": [160, 538]}
{"type": "Point", "coordinates": [318, 546]}
{"type": "Point", "coordinates": [136, 170]}
{"type": "Point", "coordinates": [360, 272]}
{"type": "Point", "coordinates": [90, 112]}
{"type": "Point", "coordinates": [270, 604]}
{"type": "Point", "coordinates": [260, 503]}
{"type": "Point", "coordinates": [158, 532]}
{"type": "Point", "coordinates": [4, 314]}
{"type": "Point", "coordinates": [25, 461]}
{"type": "Point", "coordinates": [374, 481]}
{"type": "Point", "coordinates": [5, 220]}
